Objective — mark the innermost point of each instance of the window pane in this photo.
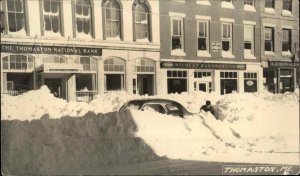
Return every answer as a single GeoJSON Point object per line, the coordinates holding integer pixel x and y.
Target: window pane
{"type": "Point", "coordinates": [19, 22]}
{"type": "Point", "coordinates": [18, 5]}
{"type": "Point", "coordinates": [12, 22]}
{"type": "Point", "coordinates": [247, 45]}
{"type": "Point", "coordinates": [78, 9]}
{"type": "Point", "coordinates": [202, 29]}
{"type": "Point", "coordinates": [86, 10]}
{"type": "Point", "coordinates": [11, 6]}
{"type": "Point", "coordinates": [175, 27]}
{"type": "Point", "coordinates": [47, 5]}
{"type": "Point", "coordinates": [225, 45]}
{"type": "Point", "coordinates": [202, 44]}
{"type": "Point", "coordinates": [79, 25]}
{"type": "Point", "coordinates": [55, 24]}
{"type": "Point", "coordinates": [47, 23]}
{"type": "Point", "coordinates": [54, 6]}
{"type": "Point", "coordinates": [176, 42]}
{"type": "Point", "coordinates": [86, 25]}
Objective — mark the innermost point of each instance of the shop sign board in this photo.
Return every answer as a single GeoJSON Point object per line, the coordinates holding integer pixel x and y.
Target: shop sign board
{"type": "Point", "coordinates": [38, 49]}
{"type": "Point", "coordinates": [216, 46]}
{"type": "Point", "coordinates": [279, 64]}
{"type": "Point", "coordinates": [197, 65]}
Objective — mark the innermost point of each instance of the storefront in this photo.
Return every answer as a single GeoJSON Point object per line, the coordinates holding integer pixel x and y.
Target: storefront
{"type": "Point", "coordinates": [69, 72]}
{"type": "Point", "coordinates": [280, 77]}
{"type": "Point", "coordinates": [224, 78]}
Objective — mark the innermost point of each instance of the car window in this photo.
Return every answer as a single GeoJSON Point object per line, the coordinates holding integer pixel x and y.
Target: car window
{"type": "Point", "coordinates": [155, 107]}
{"type": "Point", "coordinates": [173, 109]}
{"type": "Point", "coordinates": [133, 105]}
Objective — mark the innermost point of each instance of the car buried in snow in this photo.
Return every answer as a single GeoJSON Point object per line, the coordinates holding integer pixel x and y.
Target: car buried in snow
{"type": "Point", "coordinates": [163, 106]}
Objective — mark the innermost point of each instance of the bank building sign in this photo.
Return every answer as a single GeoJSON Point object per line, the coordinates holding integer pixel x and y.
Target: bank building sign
{"type": "Point", "coordinates": [38, 49]}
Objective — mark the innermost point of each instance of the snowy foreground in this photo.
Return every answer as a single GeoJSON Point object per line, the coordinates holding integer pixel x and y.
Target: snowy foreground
{"type": "Point", "coordinates": [254, 128]}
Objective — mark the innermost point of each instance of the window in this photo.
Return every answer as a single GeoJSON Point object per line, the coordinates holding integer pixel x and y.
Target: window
{"type": "Point", "coordinates": [144, 65]}
{"type": "Point", "coordinates": [83, 13]}
{"type": "Point", "coordinates": [229, 82]}
{"type": "Point", "coordinates": [227, 4]}
{"type": "Point", "coordinates": [89, 64]}
{"type": "Point", "coordinates": [287, 5]}
{"type": "Point", "coordinates": [112, 20]}
{"type": "Point", "coordinates": [15, 15]}
{"type": "Point", "coordinates": [250, 82]}
{"type": "Point", "coordinates": [177, 34]}
{"type": "Point", "coordinates": [249, 2]}
{"type": "Point", "coordinates": [286, 40]}
{"type": "Point", "coordinates": [248, 40]}
{"type": "Point", "coordinates": [203, 40]}
{"type": "Point", "coordinates": [141, 22]}
{"type": "Point", "coordinates": [52, 16]}
{"type": "Point", "coordinates": [227, 38]}
{"type": "Point", "coordinates": [17, 62]}
{"type": "Point", "coordinates": [249, 5]}
{"type": "Point", "coordinates": [114, 65]}
{"type": "Point", "coordinates": [201, 74]}
{"type": "Point", "coordinates": [54, 59]}
{"type": "Point", "coordinates": [269, 39]}
{"type": "Point", "coordinates": [270, 4]}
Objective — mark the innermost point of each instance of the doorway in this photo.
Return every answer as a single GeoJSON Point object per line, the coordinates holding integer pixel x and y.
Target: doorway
{"type": "Point", "coordinates": [228, 86]}
{"type": "Point", "coordinates": [54, 86]}
{"type": "Point", "coordinates": [145, 84]}
{"type": "Point", "coordinates": [201, 86]}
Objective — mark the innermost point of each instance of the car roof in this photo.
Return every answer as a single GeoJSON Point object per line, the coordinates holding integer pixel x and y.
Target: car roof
{"type": "Point", "coordinates": [152, 100]}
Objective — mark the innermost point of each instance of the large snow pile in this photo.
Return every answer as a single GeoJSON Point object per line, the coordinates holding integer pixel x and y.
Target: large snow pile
{"type": "Point", "coordinates": [253, 127]}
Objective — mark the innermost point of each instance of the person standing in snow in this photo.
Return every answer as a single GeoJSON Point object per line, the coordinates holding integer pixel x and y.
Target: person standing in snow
{"type": "Point", "coordinates": [207, 107]}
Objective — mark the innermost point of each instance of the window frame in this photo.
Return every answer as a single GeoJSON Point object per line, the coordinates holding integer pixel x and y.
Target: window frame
{"type": "Point", "coordinates": [82, 17]}
{"type": "Point", "coordinates": [290, 8]}
{"type": "Point", "coordinates": [229, 39]}
{"type": "Point", "coordinates": [24, 66]}
{"type": "Point", "coordinates": [287, 41]}
{"type": "Point", "coordinates": [50, 14]}
{"type": "Point", "coordinates": [181, 30]}
{"type": "Point", "coordinates": [147, 11]}
{"type": "Point", "coordinates": [268, 2]}
{"type": "Point", "coordinates": [252, 38]}
{"type": "Point", "coordinates": [206, 28]}
{"type": "Point", "coordinates": [5, 18]}
{"type": "Point", "coordinates": [119, 20]}
{"type": "Point", "coordinates": [270, 32]}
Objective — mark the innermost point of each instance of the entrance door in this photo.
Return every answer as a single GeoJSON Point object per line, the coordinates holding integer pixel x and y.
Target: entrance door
{"type": "Point", "coordinates": [145, 84]}
{"type": "Point", "coordinates": [54, 86]}
{"type": "Point", "coordinates": [286, 84]}
{"type": "Point", "coordinates": [202, 86]}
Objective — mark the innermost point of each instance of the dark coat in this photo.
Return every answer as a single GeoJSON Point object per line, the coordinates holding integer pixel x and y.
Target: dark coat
{"type": "Point", "coordinates": [208, 108]}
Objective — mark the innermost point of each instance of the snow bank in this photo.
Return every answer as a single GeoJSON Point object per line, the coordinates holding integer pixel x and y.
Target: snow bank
{"type": "Point", "coordinates": [71, 146]}
{"type": "Point", "coordinates": [253, 127]}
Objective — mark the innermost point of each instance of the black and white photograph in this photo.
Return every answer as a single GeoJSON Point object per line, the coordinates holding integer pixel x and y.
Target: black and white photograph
{"type": "Point", "coordinates": [150, 87]}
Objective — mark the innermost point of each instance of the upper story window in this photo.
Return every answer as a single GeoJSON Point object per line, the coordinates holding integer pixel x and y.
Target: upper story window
{"type": "Point", "coordinates": [52, 23]}
{"type": "Point", "coordinates": [17, 62]}
{"type": "Point", "coordinates": [112, 19]}
{"type": "Point", "coordinates": [141, 22]}
{"type": "Point", "coordinates": [227, 4]}
{"type": "Point", "coordinates": [226, 39]}
{"type": "Point", "coordinates": [249, 5]}
{"type": "Point", "coordinates": [287, 8]}
{"type": "Point", "coordinates": [269, 40]}
{"type": "Point", "coordinates": [83, 15]}
{"type": "Point", "coordinates": [177, 35]}
{"type": "Point", "coordinates": [270, 6]}
{"type": "Point", "coordinates": [249, 41]}
{"type": "Point", "coordinates": [203, 38]}
{"type": "Point", "coordinates": [15, 17]}
{"type": "Point", "coordinates": [286, 40]}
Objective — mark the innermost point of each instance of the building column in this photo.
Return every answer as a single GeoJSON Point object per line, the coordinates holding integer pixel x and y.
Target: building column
{"type": "Point", "coordinates": [157, 86]}
{"type": "Point", "coordinates": [278, 80]}
{"type": "Point", "coordinates": [71, 86]}
{"type": "Point", "coordinates": [100, 73]}
{"type": "Point", "coordinates": [295, 78]}
{"type": "Point", "coordinates": [216, 79]}
{"type": "Point", "coordinates": [240, 82]}
{"type": "Point", "coordinates": [129, 76]}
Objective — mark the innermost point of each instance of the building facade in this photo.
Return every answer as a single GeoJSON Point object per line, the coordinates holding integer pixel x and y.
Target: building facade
{"type": "Point", "coordinates": [211, 46]}
{"type": "Point", "coordinates": [80, 48]}
{"type": "Point", "coordinates": [280, 44]}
